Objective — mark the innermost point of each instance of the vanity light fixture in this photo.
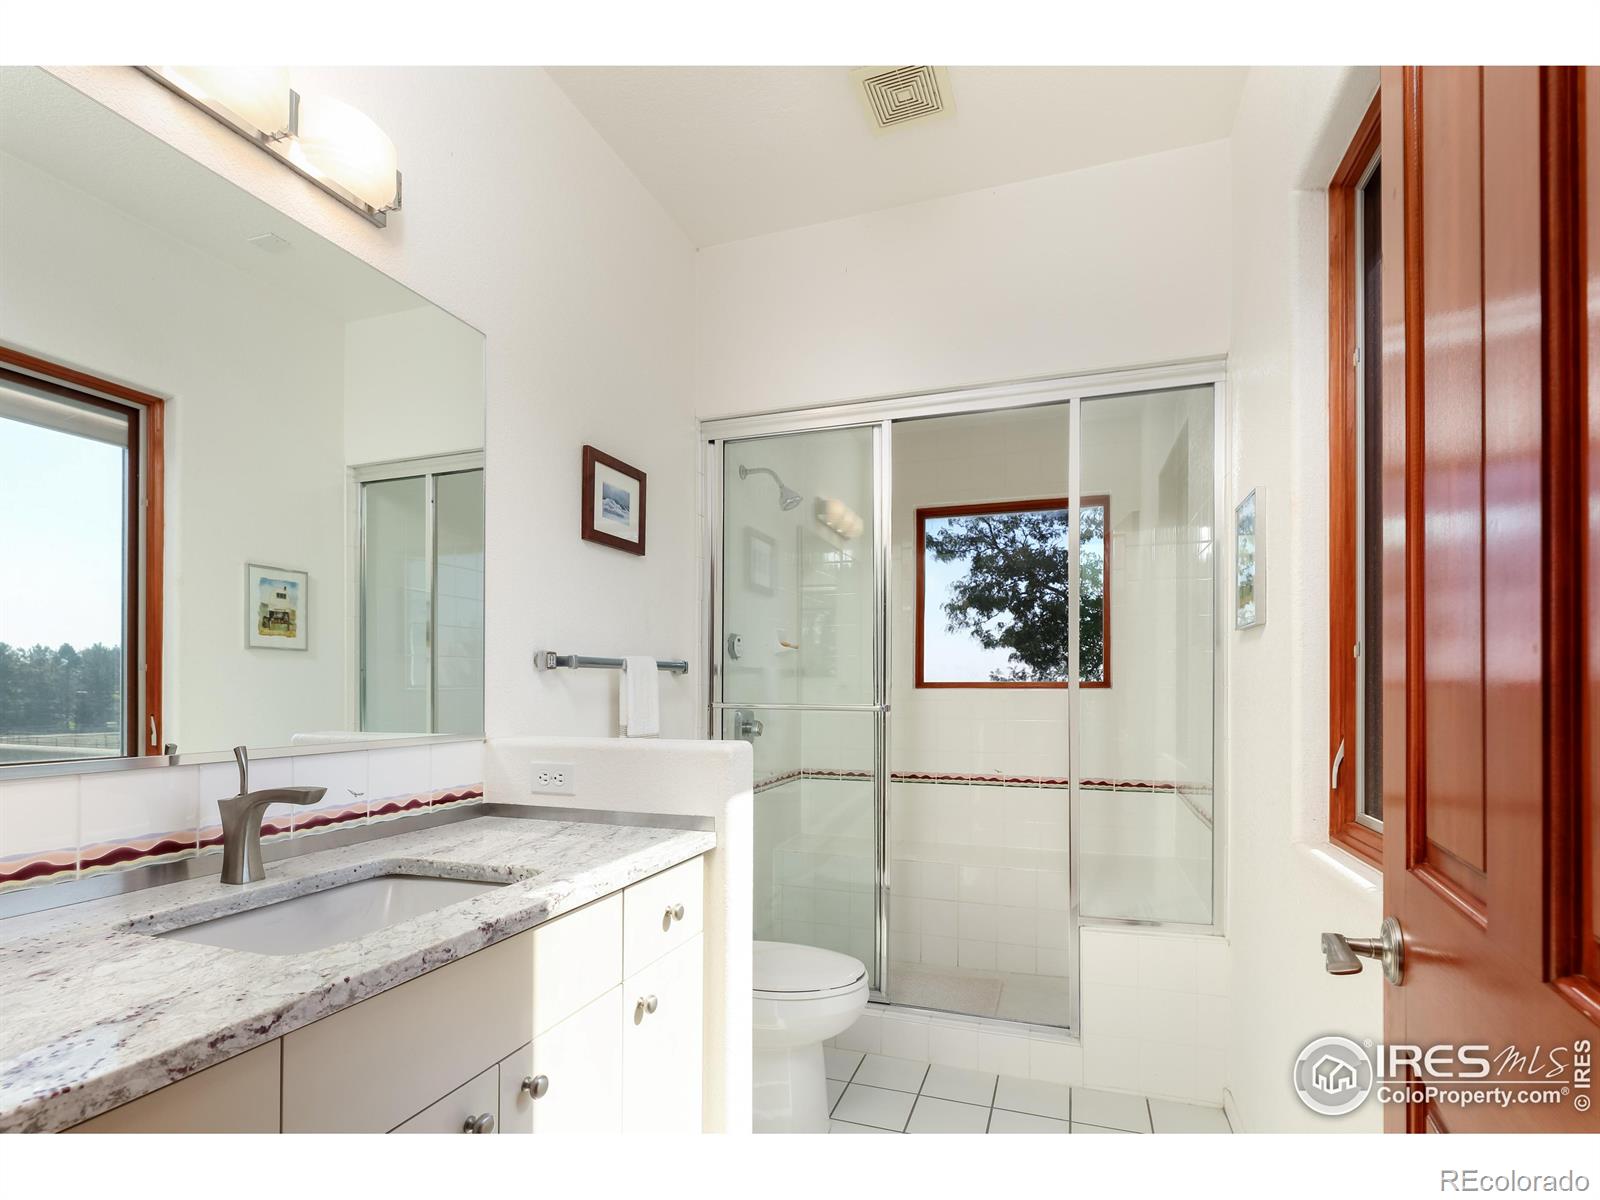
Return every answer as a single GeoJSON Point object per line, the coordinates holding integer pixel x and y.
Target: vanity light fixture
{"type": "Point", "coordinates": [338, 148]}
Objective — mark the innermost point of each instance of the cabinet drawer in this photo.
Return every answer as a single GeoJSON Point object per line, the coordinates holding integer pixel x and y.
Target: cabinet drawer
{"type": "Point", "coordinates": [649, 926]}
{"type": "Point", "coordinates": [576, 959]}
{"type": "Point", "coordinates": [662, 1050]}
{"type": "Point", "coordinates": [469, 1102]}
{"type": "Point", "coordinates": [373, 1065]}
{"type": "Point", "coordinates": [580, 1065]}
{"type": "Point", "coordinates": [239, 1095]}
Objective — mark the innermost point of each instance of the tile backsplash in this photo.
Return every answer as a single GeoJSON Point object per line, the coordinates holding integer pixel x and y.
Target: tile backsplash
{"type": "Point", "coordinates": [58, 828]}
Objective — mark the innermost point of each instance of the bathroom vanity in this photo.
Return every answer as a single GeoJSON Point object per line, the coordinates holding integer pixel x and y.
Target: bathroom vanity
{"type": "Point", "coordinates": [564, 996]}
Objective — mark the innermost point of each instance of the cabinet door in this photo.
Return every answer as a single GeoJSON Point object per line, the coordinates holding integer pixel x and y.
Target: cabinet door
{"type": "Point", "coordinates": [370, 1066]}
{"type": "Point", "coordinates": [576, 959]}
{"type": "Point", "coordinates": [462, 1109]}
{"type": "Point", "coordinates": [579, 1064]}
{"type": "Point", "coordinates": [662, 1050]}
{"type": "Point", "coordinates": [239, 1095]}
{"type": "Point", "coordinates": [661, 913]}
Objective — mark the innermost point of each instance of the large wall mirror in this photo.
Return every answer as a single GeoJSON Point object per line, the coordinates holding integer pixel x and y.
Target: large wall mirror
{"type": "Point", "coordinates": [241, 471]}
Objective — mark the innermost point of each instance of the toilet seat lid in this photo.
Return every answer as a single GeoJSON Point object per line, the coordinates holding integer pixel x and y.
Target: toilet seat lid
{"type": "Point", "coordinates": [787, 969]}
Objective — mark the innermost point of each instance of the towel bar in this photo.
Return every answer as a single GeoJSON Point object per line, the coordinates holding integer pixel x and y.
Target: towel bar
{"type": "Point", "coordinates": [549, 660]}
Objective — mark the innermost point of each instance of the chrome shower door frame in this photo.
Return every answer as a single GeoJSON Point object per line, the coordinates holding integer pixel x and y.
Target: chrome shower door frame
{"type": "Point", "coordinates": [883, 412]}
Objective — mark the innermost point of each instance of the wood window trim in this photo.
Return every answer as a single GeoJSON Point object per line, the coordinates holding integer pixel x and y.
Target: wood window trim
{"type": "Point", "coordinates": [1007, 506]}
{"type": "Point", "coordinates": [146, 728]}
{"type": "Point", "coordinates": [1343, 194]}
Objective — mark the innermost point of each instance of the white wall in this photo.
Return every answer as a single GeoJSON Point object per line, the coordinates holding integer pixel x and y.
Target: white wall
{"type": "Point", "coordinates": [413, 386]}
{"type": "Point", "coordinates": [1286, 885]}
{"type": "Point", "coordinates": [1118, 265]}
{"type": "Point", "coordinates": [255, 461]}
{"type": "Point", "coordinates": [531, 230]}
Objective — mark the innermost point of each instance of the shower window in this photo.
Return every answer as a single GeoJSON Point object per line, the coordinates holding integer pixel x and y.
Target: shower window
{"type": "Point", "coordinates": [993, 594]}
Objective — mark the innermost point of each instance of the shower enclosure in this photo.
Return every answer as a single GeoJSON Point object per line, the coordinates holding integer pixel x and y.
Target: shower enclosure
{"type": "Point", "coordinates": [973, 641]}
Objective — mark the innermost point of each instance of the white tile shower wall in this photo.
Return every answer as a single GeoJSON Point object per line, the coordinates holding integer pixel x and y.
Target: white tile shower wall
{"type": "Point", "coordinates": [1154, 1019]}
{"type": "Point", "coordinates": [978, 877]}
{"type": "Point", "coordinates": [1154, 1012]}
{"type": "Point", "coordinates": [822, 850]}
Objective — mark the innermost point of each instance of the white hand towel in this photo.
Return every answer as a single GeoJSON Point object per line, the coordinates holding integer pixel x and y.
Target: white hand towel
{"type": "Point", "coordinates": [639, 698]}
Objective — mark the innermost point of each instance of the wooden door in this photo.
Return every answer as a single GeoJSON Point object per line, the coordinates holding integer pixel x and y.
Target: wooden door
{"type": "Point", "coordinates": [1491, 655]}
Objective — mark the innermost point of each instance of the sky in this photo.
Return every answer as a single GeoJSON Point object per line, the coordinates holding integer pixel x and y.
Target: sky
{"type": "Point", "coordinates": [61, 538]}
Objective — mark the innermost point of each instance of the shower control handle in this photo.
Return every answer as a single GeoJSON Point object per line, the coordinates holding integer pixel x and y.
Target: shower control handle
{"type": "Point", "coordinates": [746, 725]}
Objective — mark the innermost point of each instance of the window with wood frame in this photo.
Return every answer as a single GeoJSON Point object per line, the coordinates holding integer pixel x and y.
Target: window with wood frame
{"type": "Point", "coordinates": [80, 632]}
{"type": "Point", "coordinates": [994, 594]}
{"type": "Point", "coordinates": [1355, 408]}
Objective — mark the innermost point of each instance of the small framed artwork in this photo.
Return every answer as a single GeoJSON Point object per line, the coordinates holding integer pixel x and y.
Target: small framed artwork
{"type": "Point", "coordinates": [613, 502]}
{"type": "Point", "coordinates": [1249, 555]}
{"type": "Point", "coordinates": [760, 561]}
{"type": "Point", "coordinates": [275, 607]}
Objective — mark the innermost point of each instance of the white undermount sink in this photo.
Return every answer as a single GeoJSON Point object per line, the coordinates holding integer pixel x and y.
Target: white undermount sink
{"type": "Point", "coordinates": [333, 915]}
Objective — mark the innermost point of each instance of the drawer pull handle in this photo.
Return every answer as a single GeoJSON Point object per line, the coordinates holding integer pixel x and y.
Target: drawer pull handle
{"type": "Point", "coordinates": [674, 913]}
{"type": "Point", "coordinates": [536, 1085]}
{"type": "Point", "coordinates": [483, 1123]}
{"type": "Point", "coordinates": [647, 1004]}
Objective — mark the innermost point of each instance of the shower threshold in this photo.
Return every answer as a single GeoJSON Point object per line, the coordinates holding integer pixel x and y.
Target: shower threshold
{"type": "Point", "coordinates": [993, 995]}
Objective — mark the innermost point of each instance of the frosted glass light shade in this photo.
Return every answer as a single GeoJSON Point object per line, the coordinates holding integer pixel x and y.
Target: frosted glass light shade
{"type": "Point", "coordinates": [259, 95]}
{"type": "Point", "coordinates": [345, 146]}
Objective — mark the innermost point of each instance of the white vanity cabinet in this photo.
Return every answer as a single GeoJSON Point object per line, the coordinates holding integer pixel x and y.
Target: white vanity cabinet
{"type": "Point", "coordinates": [662, 1005]}
{"type": "Point", "coordinates": [238, 1095]}
{"type": "Point", "coordinates": [589, 1023]}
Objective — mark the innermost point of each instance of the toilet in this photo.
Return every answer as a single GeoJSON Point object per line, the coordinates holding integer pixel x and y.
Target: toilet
{"type": "Point", "coordinates": [803, 996]}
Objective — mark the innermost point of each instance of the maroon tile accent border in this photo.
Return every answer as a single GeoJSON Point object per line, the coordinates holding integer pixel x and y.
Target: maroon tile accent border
{"type": "Point", "coordinates": [1190, 794]}
{"type": "Point", "coordinates": [44, 867]}
{"type": "Point", "coordinates": [995, 780]}
{"type": "Point", "coordinates": [58, 865]}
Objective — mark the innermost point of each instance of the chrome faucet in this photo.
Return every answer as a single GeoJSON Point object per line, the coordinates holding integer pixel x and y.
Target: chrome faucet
{"type": "Point", "coordinates": [241, 822]}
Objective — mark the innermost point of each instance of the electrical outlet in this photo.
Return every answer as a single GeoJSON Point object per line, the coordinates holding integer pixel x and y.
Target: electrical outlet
{"type": "Point", "coordinates": [554, 779]}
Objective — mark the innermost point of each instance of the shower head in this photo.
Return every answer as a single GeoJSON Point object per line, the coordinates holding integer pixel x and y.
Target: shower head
{"type": "Point", "coordinates": [788, 498]}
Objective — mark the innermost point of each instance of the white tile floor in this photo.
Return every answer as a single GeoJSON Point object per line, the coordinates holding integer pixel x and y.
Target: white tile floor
{"type": "Point", "coordinates": [873, 1093]}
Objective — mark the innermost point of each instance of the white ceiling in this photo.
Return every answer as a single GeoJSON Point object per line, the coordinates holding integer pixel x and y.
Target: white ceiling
{"type": "Point", "coordinates": [734, 152]}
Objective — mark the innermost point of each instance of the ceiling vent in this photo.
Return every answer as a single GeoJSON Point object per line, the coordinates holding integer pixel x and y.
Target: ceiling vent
{"type": "Point", "coordinates": [270, 242]}
{"type": "Point", "coordinates": [897, 96]}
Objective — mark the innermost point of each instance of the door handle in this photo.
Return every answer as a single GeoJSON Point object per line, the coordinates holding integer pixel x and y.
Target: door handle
{"type": "Point", "coordinates": [1333, 780]}
{"type": "Point", "coordinates": [1342, 955]}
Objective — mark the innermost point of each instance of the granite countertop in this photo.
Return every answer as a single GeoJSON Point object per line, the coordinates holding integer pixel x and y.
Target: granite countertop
{"type": "Point", "coordinates": [95, 1012]}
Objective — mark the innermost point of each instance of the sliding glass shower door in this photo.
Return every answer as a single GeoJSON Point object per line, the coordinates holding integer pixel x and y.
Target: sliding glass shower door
{"type": "Point", "coordinates": [1027, 578]}
{"type": "Point", "coordinates": [420, 635]}
{"type": "Point", "coordinates": [799, 676]}
{"type": "Point", "coordinates": [1143, 774]}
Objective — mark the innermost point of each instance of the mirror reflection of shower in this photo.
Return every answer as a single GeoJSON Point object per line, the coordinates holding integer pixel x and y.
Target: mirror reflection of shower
{"type": "Point", "coordinates": [788, 498]}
